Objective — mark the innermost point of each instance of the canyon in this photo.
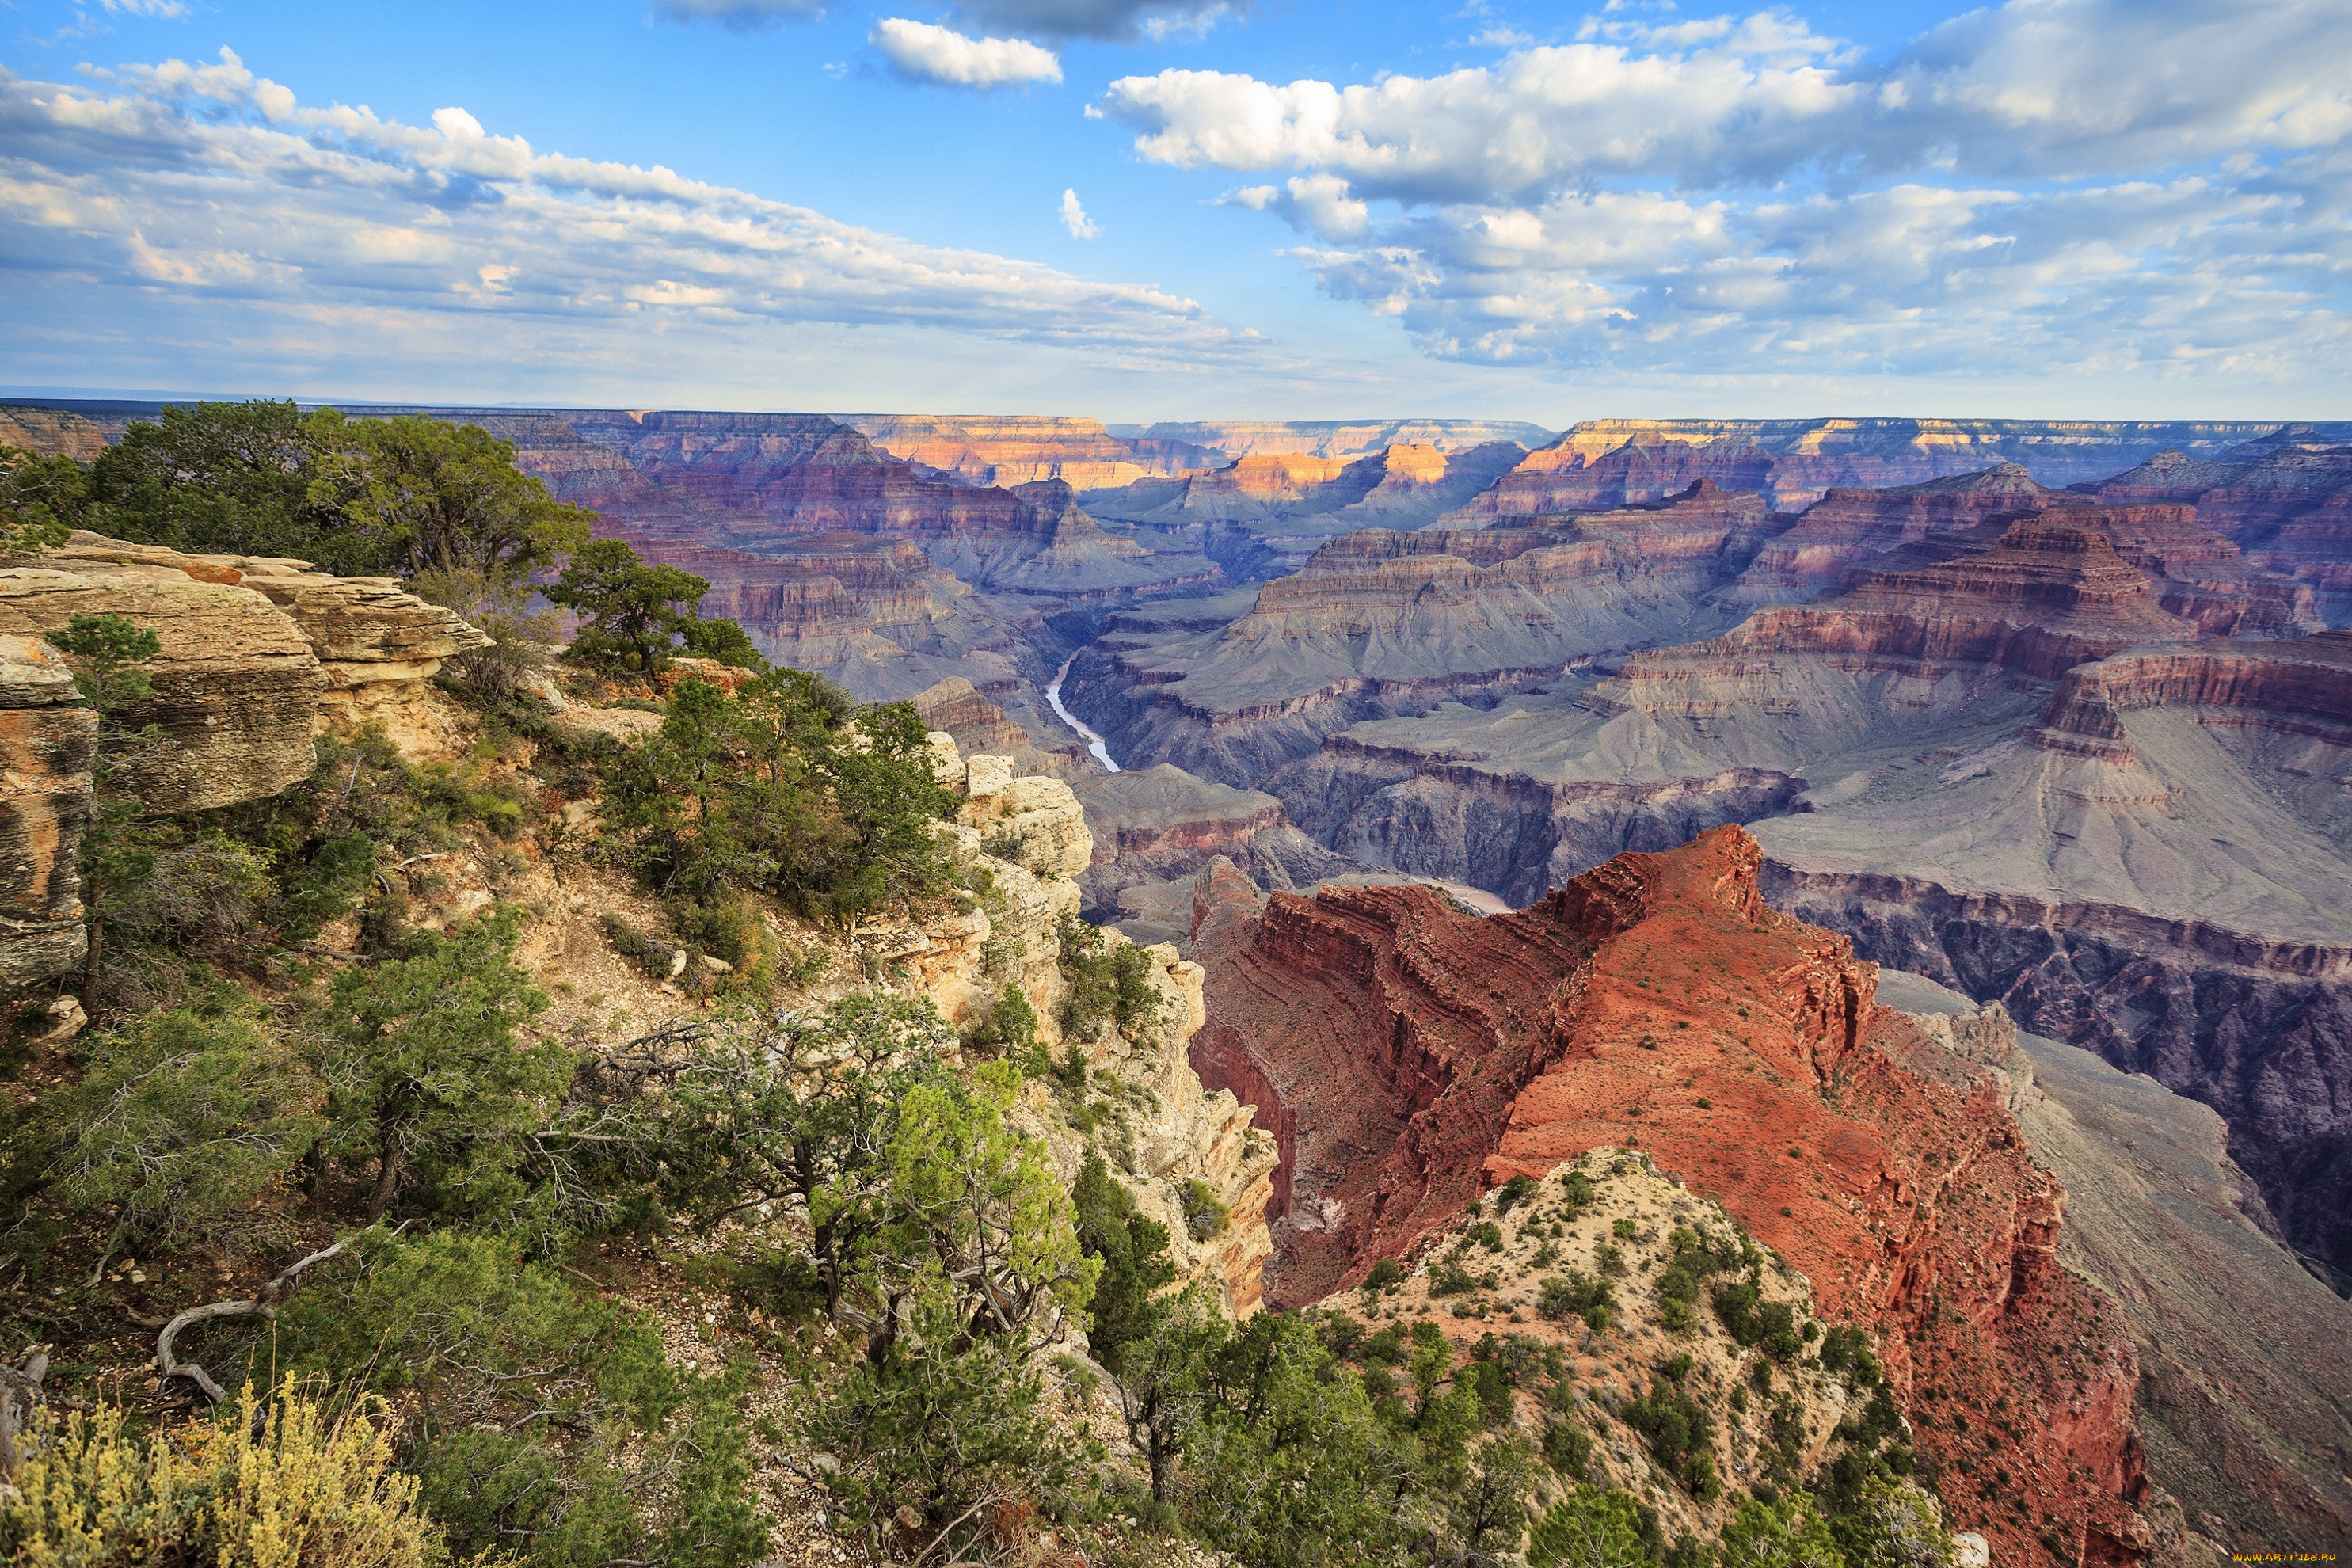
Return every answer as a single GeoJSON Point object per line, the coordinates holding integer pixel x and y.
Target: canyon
{"type": "Point", "coordinates": [2048, 713]}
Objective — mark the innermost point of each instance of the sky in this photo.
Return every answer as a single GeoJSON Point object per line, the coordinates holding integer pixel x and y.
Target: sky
{"type": "Point", "coordinates": [1176, 209]}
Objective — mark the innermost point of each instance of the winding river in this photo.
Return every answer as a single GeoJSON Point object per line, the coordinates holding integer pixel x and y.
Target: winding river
{"type": "Point", "coordinates": [1054, 700]}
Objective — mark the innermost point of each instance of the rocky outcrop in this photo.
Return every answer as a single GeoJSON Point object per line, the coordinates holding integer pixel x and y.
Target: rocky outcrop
{"type": "Point", "coordinates": [2285, 503]}
{"type": "Point", "coordinates": [1408, 1055]}
{"type": "Point", "coordinates": [1846, 528]}
{"type": "Point", "coordinates": [1291, 498]}
{"type": "Point", "coordinates": [1805, 459]}
{"type": "Point", "coordinates": [2201, 577]}
{"type": "Point", "coordinates": [1029, 835]}
{"type": "Point", "coordinates": [1500, 829]}
{"type": "Point", "coordinates": [1220, 441]}
{"type": "Point", "coordinates": [257, 656]}
{"type": "Point", "coordinates": [53, 432]}
{"type": "Point", "coordinates": [1011, 450]}
{"type": "Point", "coordinates": [2302, 687]}
{"type": "Point", "coordinates": [2043, 595]}
{"type": "Point", "coordinates": [45, 735]}
{"type": "Point", "coordinates": [1156, 827]}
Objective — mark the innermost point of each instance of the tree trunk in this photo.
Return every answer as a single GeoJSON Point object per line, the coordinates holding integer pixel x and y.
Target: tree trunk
{"type": "Point", "coordinates": [387, 1180]}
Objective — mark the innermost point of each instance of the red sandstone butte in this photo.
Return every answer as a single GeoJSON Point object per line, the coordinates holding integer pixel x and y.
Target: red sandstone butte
{"type": "Point", "coordinates": [1407, 1055]}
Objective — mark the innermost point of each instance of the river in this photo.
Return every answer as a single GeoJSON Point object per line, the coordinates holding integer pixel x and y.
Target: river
{"type": "Point", "coordinates": [1054, 700]}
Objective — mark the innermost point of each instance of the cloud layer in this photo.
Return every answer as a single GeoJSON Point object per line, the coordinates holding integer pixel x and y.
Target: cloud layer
{"type": "Point", "coordinates": [205, 194]}
{"type": "Point", "coordinates": [2090, 185]}
{"type": "Point", "coordinates": [922, 52]}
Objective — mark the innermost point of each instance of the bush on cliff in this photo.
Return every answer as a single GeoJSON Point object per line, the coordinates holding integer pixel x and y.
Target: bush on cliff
{"type": "Point", "coordinates": [296, 1479]}
{"type": "Point", "coordinates": [784, 786]}
{"type": "Point", "coordinates": [637, 615]}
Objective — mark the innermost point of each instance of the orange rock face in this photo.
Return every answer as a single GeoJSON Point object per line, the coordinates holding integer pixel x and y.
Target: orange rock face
{"type": "Point", "coordinates": [1011, 450]}
{"type": "Point", "coordinates": [1407, 1055]}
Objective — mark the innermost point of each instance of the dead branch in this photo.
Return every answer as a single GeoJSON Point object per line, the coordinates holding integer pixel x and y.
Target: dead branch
{"type": "Point", "coordinates": [265, 1305]}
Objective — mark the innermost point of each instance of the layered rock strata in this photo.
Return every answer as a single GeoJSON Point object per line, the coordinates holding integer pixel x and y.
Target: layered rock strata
{"type": "Point", "coordinates": [1030, 835]}
{"type": "Point", "coordinates": [1384, 622]}
{"type": "Point", "coordinates": [257, 656]}
{"type": "Point", "coordinates": [2286, 504]}
{"type": "Point", "coordinates": [45, 735]}
{"type": "Point", "coordinates": [2043, 595]}
{"type": "Point", "coordinates": [1846, 528]}
{"type": "Point", "coordinates": [1808, 457]}
{"type": "Point", "coordinates": [1154, 828]}
{"type": "Point", "coordinates": [1010, 449]}
{"type": "Point", "coordinates": [2244, 1394]}
{"type": "Point", "coordinates": [1407, 1055]}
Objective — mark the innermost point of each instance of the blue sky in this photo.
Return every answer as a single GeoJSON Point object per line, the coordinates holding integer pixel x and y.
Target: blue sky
{"type": "Point", "coordinates": [2047, 207]}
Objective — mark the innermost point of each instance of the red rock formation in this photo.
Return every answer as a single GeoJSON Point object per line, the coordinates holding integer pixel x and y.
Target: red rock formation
{"type": "Point", "coordinates": [1407, 1055]}
{"type": "Point", "coordinates": [1011, 450]}
{"type": "Point", "coordinates": [2201, 577]}
{"type": "Point", "coordinates": [2043, 595]}
{"type": "Point", "coordinates": [1847, 527]}
{"type": "Point", "coordinates": [2302, 686]}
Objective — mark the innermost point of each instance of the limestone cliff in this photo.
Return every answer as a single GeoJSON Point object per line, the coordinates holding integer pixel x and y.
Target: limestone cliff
{"type": "Point", "coordinates": [1029, 835]}
{"type": "Point", "coordinates": [257, 656]}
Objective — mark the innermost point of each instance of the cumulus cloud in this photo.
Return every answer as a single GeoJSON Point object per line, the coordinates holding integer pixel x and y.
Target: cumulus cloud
{"type": "Point", "coordinates": [922, 52]}
{"type": "Point", "coordinates": [1074, 218]}
{"type": "Point", "coordinates": [1118, 20]}
{"type": "Point", "coordinates": [2067, 183]}
{"type": "Point", "coordinates": [205, 184]}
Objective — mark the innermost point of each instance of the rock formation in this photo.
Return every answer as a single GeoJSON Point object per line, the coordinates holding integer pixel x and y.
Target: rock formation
{"type": "Point", "coordinates": [1154, 828]}
{"type": "Point", "coordinates": [53, 432]}
{"type": "Point", "coordinates": [1030, 835]}
{"type": "Point", "coordinates": [2286, 504]}
{"type": "Point", "coordinates": [1010, 449]}
{"type": "Point", "coordinates": [1846, 528]}
{"type": "Point", "coordinates": [257, 656]}
{"type": "Point", "coordinates": [44, 801]}
{"type": "Point", "coordinates": [1220, 441]}
{"type": "Point", "coordinates": [1407, 1055]}
{"type": "Point", "coordinates": [1796, 461]}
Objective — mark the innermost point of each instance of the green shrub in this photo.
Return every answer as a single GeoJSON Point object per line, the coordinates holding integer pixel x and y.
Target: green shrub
{"type": "Point", "coordinates": [1106, 979]}
{"type": "Point", "coordinates": [1575, 1295]}
{"type": "Point", "coordinates": [540, 1420]}
{"type": "Point", "coordinates": [1681, 1437]}
{"type": "Point", "coordinates": [178, 1125]}
{"type": "Point", "coordinates": [1205, 1213]}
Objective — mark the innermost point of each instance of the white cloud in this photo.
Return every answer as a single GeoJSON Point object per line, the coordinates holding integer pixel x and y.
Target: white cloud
{"type": "Point", "coordinates": [163, 10]}
{"type": "Point", "coordinates": [205, 185]}
{"type": "Point", "coordinates": [2063, 185]}
{"type": "Point", "coordinates": [1074, 218]}
{"type": "Point", "coordinates": [926, 53]}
